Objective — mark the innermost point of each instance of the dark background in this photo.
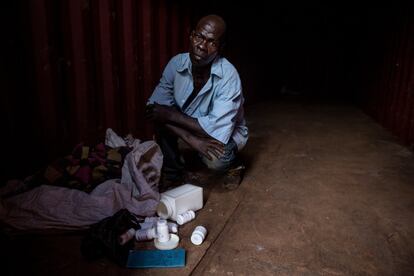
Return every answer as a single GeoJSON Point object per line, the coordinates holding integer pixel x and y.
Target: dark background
{"type": "Point", "coordinates": [310, 48]}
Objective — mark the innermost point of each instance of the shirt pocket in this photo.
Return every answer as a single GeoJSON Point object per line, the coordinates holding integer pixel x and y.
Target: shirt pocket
{"type": "Point", "coordinates": [205, 105]}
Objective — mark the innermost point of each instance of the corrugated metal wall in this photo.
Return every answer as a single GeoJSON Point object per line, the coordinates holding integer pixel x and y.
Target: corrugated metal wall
{"type": "Point", "coordinates": [84, 66]}
{"type": "Point", "coordinates": [97, 61]}
{"type": "Point", "coordinates": [391, 85]}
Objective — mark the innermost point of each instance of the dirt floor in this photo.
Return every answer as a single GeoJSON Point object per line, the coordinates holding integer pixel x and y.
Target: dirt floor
{"type": "Point", "coordinates": [327, 192]}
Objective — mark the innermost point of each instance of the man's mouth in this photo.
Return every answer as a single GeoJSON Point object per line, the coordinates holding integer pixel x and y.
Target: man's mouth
{"type": "Point", "coordinates": [198, 55]}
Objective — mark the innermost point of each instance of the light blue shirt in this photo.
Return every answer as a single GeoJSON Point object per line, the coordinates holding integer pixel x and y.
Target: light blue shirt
{"type": "Point", "coordinates": [218, 107]}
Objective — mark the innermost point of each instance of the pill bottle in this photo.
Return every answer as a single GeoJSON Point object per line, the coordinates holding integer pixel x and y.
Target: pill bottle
{"type": "Point", "coordinates": [198, 235]}
{"type": "Point", "coordinates": [185, 217]}
{"type": "Point", "coordinates": [146, 234]}
{"type": "Point", "coordinates": [163, 233]}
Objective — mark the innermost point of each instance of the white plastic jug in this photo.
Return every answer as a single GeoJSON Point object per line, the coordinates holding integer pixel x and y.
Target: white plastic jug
{"type": "Point", "coordinates": [179, 200]}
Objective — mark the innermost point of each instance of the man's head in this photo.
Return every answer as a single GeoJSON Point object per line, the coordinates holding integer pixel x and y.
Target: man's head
{"type": "Point", "coordinates": [206, 41]}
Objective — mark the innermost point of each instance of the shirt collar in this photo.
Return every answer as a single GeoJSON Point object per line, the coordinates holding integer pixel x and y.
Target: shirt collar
{"type": "Point", "coordinates": [216, 68]}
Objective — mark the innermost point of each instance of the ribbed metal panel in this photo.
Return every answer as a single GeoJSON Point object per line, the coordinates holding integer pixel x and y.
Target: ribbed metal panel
{"type": "Point", "coordinates": [391, 94]}
{"type": "Point", "coordinates": [97, 61]}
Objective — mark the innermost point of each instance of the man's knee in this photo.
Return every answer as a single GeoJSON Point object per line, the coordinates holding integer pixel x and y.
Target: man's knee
{"type": "Point", "coordinates": [216, 164]}
{"type": "Point", "coordinates": [226, 161]}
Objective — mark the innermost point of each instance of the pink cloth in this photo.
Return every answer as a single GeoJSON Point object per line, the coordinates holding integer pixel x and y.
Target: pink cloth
{"type": "Point", "coordinates": [47, 207]}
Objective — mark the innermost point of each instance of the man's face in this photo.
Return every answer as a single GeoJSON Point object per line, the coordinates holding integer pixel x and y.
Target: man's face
{"type": "Point", "coordinates": [204, 43]}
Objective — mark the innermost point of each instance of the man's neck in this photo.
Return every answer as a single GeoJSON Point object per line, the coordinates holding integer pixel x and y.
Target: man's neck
{"type": "Point", "coordinates": [200, 77]}
{"type": "Point", "coordinates": [203, 71]}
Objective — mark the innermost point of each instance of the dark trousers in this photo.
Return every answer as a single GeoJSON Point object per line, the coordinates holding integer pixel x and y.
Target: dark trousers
{"type": "Point", "coordinates": [173, 165]}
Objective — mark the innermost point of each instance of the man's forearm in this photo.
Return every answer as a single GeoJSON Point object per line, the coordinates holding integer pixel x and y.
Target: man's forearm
{"type": "Point", "coordinates": [180, 132]}
{"type": "Point", "coordinates": [171, 115]}
{"type": "Point", "coordinates": [189, 123]}
{"type": "Point", "coordinates": [206, 146]}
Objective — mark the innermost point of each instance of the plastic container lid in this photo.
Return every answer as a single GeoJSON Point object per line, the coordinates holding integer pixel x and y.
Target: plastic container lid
{"type": "Point", "coordinates": [170, 244]}
{"type": "Point", "coordinates": [197, 238]}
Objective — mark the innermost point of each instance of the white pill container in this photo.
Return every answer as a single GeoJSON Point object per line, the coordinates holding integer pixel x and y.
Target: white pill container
{"type": "Point", "coordinates": [198, 235]}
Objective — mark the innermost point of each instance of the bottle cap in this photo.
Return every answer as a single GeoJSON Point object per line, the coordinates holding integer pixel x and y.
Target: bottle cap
{"type": "Point", "coordinates": [172, 227]}
{"type": "Point", "coordinates": [198, 235]}
{"type": "Point", "coordinates": [170, 244]}
{"type": "Point", "coordinates": [180, 220]}
{"type": "Point", "coordinates": [141, 235]}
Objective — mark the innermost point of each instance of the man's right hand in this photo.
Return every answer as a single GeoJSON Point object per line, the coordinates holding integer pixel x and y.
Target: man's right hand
{"type": "Point", "coordinates": [207, 146]}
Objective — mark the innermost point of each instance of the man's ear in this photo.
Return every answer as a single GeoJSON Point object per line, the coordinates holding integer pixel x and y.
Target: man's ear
{"type": "Point", "coordinates": [222, 47]}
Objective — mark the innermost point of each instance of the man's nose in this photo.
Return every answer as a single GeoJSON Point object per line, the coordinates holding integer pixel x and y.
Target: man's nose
{"type": "Point", "coordinates": [202, 45]}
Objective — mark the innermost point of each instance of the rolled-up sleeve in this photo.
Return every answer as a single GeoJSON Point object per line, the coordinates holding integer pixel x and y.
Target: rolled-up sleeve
{"type": "Point", "coordinates": [163, 92]}
{"type": "Point", "coordinates": [220, 121]}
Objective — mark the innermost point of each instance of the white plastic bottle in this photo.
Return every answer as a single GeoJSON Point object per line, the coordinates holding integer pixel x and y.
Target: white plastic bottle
{"type": "Point", "coordinates": [163, 234]}
{"type": "Point", "coordinates": [145, 234]}
{"type": "Point", "coordinates": [127, 236]}
{"type": "Point", "coordinates": [179, 200]}
{"type": "Point", "coordinates": [198, 235]}
{"type": "Point", "coordinates": [185, 217]}
{"type": "Point", "coordinates": [151, 222]}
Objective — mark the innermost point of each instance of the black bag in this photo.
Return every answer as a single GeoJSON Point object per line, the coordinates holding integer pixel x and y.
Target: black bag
{"type": "Point", "coordinates": [102, 238]}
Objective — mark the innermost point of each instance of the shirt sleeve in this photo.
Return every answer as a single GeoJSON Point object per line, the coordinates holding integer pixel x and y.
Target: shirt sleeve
{"type": "Point", "coordinates": [220, 122]}
{"type": "Point", "coordinates": [163, 92]}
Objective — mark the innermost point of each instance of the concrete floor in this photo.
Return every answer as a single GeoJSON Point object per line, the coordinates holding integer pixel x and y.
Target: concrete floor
{"type": "Point", "coordinates": [327, 192]}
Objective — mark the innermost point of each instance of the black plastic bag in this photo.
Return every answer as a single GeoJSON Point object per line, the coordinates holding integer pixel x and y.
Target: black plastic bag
{"type": "Point", "coordinates": [102, 238]}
